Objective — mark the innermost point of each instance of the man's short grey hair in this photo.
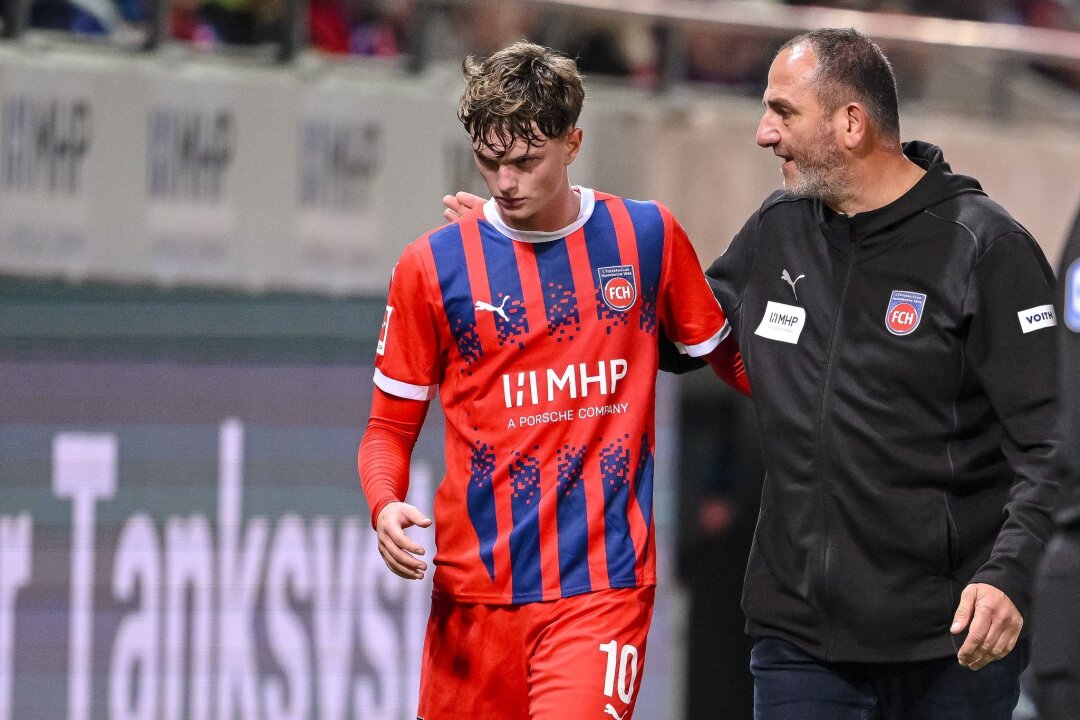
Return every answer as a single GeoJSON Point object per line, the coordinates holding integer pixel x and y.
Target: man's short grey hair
{"type": "Point", "coordinates": [852, 68]}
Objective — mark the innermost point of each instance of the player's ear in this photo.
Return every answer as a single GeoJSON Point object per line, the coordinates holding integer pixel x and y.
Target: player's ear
{"type": "Point", "coordinates": [573, 144]}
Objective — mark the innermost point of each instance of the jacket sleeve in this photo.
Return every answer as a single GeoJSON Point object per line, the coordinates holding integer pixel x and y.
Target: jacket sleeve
{"type": "Point", "coordinates": [1010, 345]}
{"type": "Point", "coordinates": [729, 273]}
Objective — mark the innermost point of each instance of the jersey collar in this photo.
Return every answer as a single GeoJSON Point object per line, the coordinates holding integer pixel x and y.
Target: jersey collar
{"type": "Point", "coordinates": [585, 210]}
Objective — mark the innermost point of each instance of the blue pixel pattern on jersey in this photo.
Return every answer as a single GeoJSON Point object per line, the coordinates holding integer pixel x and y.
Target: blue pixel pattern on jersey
{"type": "Point", "coordinates": [573, 533]}
{"type": "Point", "coordinates": [525, 535]}
{"type": "Point", "coordinates": [615, 474]}
{"type": "Point", "coordinates": [480, 499]}
{"type": "Point", "coordinates": [449, 253]}
{"type": "Point", "coordinates": [649, 228]}
{"type": "Point", "coordinates": [557, 284]}
{"type": "Point", "coordinates": [504, 282]}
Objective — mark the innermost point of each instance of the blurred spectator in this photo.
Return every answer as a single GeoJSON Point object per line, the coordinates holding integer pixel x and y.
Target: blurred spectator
{"type": "Point", "coordinates": [598, 50]}
{"type": "Point", "coordinates": [379, 27]}
{"type": "Point", "coordinates": [979, 10]}
{"type": "Point", "coordinates": [737, 61]}
{"type": "Point", "coordinates": [210, 23]}
{"type": "Point", "coordinates": [86, 17]}
{"type": "Point", "coordinates": [1054, 15]}
{"type": "Point", "coordinates": [489, 26]}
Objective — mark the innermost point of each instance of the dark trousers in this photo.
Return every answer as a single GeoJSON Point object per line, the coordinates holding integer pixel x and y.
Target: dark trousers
{"type": "Point", "coordinates": [1055, 647]}
{"type": "Point", "coordinates": [791, 685]}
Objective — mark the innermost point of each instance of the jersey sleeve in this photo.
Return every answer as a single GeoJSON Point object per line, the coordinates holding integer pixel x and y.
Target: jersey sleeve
{"type": "Point", "coordinates": [407, 355]}
{"type": "Point", "coordinates": [689, 313]}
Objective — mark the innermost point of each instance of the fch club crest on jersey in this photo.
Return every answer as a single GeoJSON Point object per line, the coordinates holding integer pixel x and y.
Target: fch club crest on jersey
{"type": "Point", "coordinates": [617, 286]}
{"type": "Point", "coordinates": [905, 312]}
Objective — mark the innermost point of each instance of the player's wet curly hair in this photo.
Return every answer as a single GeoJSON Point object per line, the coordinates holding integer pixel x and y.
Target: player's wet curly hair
{"type": "Point", "coordinates": [523, 91]}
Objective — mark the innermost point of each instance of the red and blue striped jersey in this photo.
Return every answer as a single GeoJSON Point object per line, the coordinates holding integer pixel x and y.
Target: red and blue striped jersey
{"type": "Point", "coordinates": [543, 350]}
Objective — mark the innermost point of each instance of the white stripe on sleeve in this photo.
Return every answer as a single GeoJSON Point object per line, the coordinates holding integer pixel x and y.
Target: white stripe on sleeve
{"type": "Point", "coordinates": [402, 389]}
{"type": "Point", "coordinates": [706, 347]}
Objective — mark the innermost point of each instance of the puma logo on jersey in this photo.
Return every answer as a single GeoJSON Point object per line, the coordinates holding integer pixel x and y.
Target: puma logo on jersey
{"type": "Point", "coordinates": [609, 710]}
{"type": "Point", "coordinates": [786, 277]}
{"type": "Point", "coordinates": [481, 305]}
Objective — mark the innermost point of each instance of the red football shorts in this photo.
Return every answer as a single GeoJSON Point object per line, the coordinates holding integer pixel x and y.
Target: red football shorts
{"type": "Point", "coordinates": [579, 657]}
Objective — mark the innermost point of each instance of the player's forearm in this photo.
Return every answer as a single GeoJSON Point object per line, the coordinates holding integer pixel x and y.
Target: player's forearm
{"type": "Point", "coordinates": [726, 361]}
{"type": "Point", "coordinates": [385, 449]}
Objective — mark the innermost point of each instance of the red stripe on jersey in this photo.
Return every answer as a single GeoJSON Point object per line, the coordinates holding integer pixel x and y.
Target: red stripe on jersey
{"type": "Point", "coordinates": [550, 575]}
{"type": "Point", "coordinates": [594, 500]}
{"type": "Point", "coordinates": [504, 519]}
{"type": "Point", "coordinates": [530, 288]}
{"type": "Point", "coordinates": [478, 280]}
{"type": "Point", "coordinates": [585, 284]}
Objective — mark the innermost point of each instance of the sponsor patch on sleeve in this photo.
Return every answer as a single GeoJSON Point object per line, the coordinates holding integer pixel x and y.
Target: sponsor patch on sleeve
{"type": "Point", "coordinates": [383, 331]}
{"type": "Point", "coordinates": [1037, 318]}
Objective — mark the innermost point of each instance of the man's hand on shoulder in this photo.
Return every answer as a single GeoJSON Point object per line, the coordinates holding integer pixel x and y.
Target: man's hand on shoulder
{"type": "Point", "coordinates": [460, 203]}
{"type": "Point", "coordinates": [397, 550]}
{"type": "Point", "coordinates": [993, 624]}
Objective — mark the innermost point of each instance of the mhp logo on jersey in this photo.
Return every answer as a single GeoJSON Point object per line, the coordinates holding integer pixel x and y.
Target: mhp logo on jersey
{"type": "Point", "coordinates": [905, 312]}
{"type": "Point", "coordinates": [617, 286]}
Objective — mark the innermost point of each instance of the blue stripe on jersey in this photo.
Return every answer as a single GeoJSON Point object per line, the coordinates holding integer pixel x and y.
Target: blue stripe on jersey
{"type": "Point", "coordinates": [615, 475]}
{"type": "Point", "coordinates": [643, 482]}
{"type": "Point", "coordinates": [504, 280]}
{"type": "Point", "coordinates": [557, 285]}
{"type": "Point", "coordinates": [573, 528]}
{"type": "Point", "coordinates": [480, 500]}
{"type": "Point", "coordinates": [451, 267]}
{"type": "Point", "coordinates": [603, 247]}
{"type": "Point", "coordinates": [525, 535]}
{"type": "Point", "coordinates": [649, 228]}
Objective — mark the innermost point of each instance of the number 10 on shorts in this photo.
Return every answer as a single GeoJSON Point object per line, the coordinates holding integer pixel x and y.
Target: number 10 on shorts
{"type": "Point", "coordinates": [620, 663]}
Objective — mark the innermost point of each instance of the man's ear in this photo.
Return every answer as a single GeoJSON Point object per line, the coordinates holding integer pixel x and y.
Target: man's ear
{"type": "Point", "coordinates": [855, 125]}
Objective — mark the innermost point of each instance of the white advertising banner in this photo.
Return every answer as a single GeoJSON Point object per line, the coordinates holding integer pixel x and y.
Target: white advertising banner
{"type": "Point", "coordinates": [177, 541]}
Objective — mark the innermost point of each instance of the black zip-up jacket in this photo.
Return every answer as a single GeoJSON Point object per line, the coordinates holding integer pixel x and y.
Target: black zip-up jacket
{"type": "Point", "coordinates": [903, 366]}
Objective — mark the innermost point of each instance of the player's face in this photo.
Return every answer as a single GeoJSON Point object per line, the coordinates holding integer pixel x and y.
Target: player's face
{"type": "Point", "coordinates": [530, 182]}
{"type": "Point", "coordinates": [797, 130]}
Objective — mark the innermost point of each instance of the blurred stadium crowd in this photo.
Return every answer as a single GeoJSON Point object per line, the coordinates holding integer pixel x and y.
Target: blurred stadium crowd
{"type": "Point", "coordinates": [386, 29]}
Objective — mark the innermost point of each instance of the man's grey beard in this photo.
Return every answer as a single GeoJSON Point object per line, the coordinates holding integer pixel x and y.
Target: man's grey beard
{"type": "Point", "coordinates": [824, 176]}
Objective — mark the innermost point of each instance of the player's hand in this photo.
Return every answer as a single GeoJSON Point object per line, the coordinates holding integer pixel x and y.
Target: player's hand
{"type": "Point", "coordinates": [993, 624]}
{"type": "Point", "coordinates": [460, 203]}
{"type": "Point", "coordinates": [397, 550]}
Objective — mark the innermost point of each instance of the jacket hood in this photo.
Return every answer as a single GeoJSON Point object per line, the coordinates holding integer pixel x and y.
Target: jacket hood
{"type": "Point", "coordinates": [939, 184]}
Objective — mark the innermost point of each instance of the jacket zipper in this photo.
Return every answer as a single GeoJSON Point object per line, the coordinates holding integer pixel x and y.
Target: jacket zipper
{"type": "Point", "coordinates": [833, 341]}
